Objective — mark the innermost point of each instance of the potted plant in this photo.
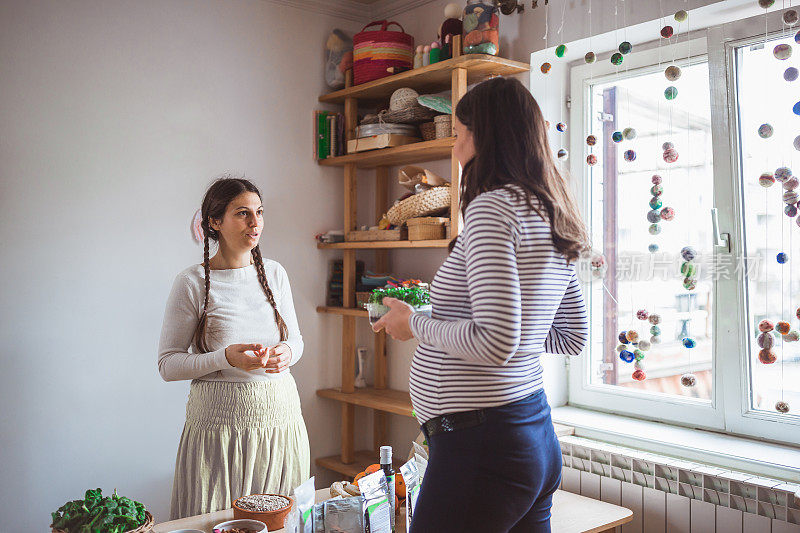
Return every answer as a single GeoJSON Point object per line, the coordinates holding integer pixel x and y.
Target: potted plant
{"type": "Point", "coordinates": [417, 297]}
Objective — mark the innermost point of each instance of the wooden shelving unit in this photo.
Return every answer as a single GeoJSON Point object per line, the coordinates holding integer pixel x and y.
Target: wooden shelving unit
{"type": "Point", "coordinates": [454, 75]}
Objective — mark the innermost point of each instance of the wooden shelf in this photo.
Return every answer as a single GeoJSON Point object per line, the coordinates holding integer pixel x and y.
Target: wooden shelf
{"type": "Point", "coordinates": [386, 400]}
{"type": "Point", "coordinates": [397, 155]}
{"type": "Point", "coordinates": [348, 311]}
{"type": "Point", "coordinates": [431, 79]}
{"type": "Point", "coordinates": [363, 459]}
{"type": "Point", "coordinates": [377, 245]}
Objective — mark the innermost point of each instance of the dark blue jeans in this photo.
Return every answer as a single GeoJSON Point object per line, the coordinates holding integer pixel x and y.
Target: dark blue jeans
{"type": "Point", "coordinates": [497, 477]}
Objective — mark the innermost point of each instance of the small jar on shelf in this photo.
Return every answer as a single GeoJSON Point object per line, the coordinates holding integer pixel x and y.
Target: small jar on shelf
{"type": "Point", "coordinates": [481, 27]}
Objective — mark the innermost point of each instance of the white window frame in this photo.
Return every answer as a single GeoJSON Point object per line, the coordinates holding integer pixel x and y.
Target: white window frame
{"type": "Point", "coordinates": [729, 409]}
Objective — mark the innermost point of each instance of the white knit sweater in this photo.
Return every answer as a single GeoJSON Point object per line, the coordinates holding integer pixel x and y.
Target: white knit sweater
{"type": "Point", "coordinates": [238, 313]}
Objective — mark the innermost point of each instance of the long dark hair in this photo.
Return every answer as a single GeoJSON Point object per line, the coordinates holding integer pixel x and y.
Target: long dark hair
{"type": "Point", "coordinates": [511, 148]}
{"type": "Point", "coordinates": [215, 203]}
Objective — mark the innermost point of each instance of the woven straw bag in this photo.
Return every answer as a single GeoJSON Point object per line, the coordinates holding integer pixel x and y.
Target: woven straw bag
{"type": "Point", "coordinates": [420, 205]}
{"type": "Point", "coordinates": [376, 51]}
{"type": "Point", "coordinates": [144, 528]}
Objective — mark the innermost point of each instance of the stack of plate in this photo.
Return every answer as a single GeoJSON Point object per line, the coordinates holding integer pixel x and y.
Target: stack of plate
{"type": "Point", "coordinates": [368, 130]}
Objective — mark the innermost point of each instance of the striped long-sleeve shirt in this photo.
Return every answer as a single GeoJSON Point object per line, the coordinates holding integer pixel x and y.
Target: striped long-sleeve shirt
{"type": "Point", "coordinates": [504, 296]}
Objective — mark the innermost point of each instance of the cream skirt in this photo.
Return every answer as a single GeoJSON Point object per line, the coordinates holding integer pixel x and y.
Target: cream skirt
{"type": "Point", "coordinates": [239, 439]}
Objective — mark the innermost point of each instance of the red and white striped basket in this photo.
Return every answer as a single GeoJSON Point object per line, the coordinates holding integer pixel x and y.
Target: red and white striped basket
{"type": "Point", "coordinates": [376, 51]}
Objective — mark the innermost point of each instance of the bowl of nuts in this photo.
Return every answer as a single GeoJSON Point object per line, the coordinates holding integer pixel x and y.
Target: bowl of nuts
{"type": "Point", "coordinates": [268, 508]}
{"type": "Point", "coordinates": [240, 526]}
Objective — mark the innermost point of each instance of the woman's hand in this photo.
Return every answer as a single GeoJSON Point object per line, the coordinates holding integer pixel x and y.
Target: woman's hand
{"type": "Point", "coordinates": [238, 356]}
{"type": "Point", "coordinates": [396, 321]}
{"type": "Point", "coordinates": [279, 357]}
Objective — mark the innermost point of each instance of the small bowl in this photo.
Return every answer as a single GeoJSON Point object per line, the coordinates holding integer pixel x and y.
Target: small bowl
{"type": "Point", "coordinates": [273, 519]}
{"type": "Point", "coordinates": [257, 525]}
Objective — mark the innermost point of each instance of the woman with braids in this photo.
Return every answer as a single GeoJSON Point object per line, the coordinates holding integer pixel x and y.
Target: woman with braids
{"type": "Point", "coordinates": [506, 295]}
{"type": "Point", "coordinates": [230, 327]}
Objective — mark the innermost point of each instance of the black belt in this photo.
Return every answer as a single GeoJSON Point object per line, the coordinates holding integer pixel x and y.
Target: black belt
{"type": "Point", "coordinates": [454, 422]}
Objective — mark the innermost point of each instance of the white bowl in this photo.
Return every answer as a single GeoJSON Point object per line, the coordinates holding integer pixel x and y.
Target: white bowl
{"type": "Point", "coordinates": [259, 527]}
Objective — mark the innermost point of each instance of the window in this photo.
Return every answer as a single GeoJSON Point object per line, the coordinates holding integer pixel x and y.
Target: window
{"type": "Point", "coordinates": [734, 226]}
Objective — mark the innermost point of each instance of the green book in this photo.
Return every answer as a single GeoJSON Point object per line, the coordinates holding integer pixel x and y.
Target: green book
{"type": "Point", "coordinates": [322, 134]}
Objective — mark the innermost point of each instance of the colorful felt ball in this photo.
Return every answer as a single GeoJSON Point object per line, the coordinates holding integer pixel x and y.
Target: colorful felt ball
{"type": "Point", "coordinates": [797, 313]}
{"type": "Point", "coordinates": [561, 127]}
{"type": "Point", "coordinates": [766, 4]}
{"type": "Point", "coordinates": [783, 327]}
{"type": "Point", "coordinates": [656, 190]}
{"type": "Point", "coordinates": [797, 37]}
{"type": "Point", "coordinates": [790, 197]}
{"type": "Point", "coordinates": [796, 143]}
{"type": "Point", "coordinates": [783, 173]}
{"type": "Point", "coordinates": [796, 108]}
{"type": "Point", "coordinates": [791, 184]}
{"type": "Point", "coordinates": [638, 354]}
{"type": "Point", "coordinates": [688, 380]}
{"type": "Point", "coordinates": [645, 345]}
{"type": "Point", "coordinates": [667, 146]}
{"type": "Point", "coordinates": [625, 47]}
{"type": "Point", "coordinates": [766, 341]}
{"type": "Point", "coordinates": [591, 160]}
{"type": "Point", "coordinates": [654, 229]}
{"type": "Point", "coordinates": [654, 319]}
{"type": "Point", "coordinates": [642, 314]}
{"type": "Point", "coordinates": [632, 336]}
{"type": "Point", "coordinates": [590, 57]}
{"type": "Point", "coordinates": [766, 356]}
{"type": "Point", "coordinates": [782, 52]}
{"type": "Point", "coordinates": [652, 248]}
{"type": "Point", "coordinates": [629, 133]}
{"type": "Point", "coordinates": [629, 156]}
{"type": "Point", "coordinates": [656, 179]}
{"type": "Point", "coordinates": [792, 336]}
{"type": "Point", "coordinates": [681, 16]}
{"type": "Point", "coordinates": [791, 73]}
{"type": "Point", "coordinates": [781, 258]}
{"type": "Point", "coordinates": [561, 49]}
{"type": "Point", "coordinates": [620, 348]}
{"type": "Point", "coordinates": [638, 375]}
{"type": "Point", "coordinates": [688, 342]}
{"type": "Point", "coordinates": [562, 154]}
{"type": "Point", "coordinates": [688, 269]}
{"type": "Point", "coordinates": [638, 365]}
{"type": "Point", "coordinates": [766, 179]}
{"type": "Point", "coordinates": [591, 140]}
{"type": "Point", "coordinates": [667, 32]}
{"type": "Point", "coordinates": [797, 221]}
{"type": "Point", "coordinates": [655, 202]}
{"type": "Point", "coordinates": [782, 406]}
{"type": "Point", "coordinates": [667, 214]}
{"type": "Point", "coordinates": [653, 216]}
{"type": "Point", "coordinates": [655, 330]}
{"type": "Point", "coordinates": [790, 17]}
{"type": "Point", "coordinates": [765, 131]}
{"type": "Point", "coordinates": [672, 72]}
{"type": "Point", "coordinates": [671, 92]}
{"type": "Point", "coordinates": [689, 284]}
{"type": "Point", "coordinates": [671, 155]}
{"type": "Point", "coordinates": [623, 337]}
{"type": "Point", "coordinates": [616, 58]}
{"type": "Point", "coordinates": [545, 68]}
{"type": "Point", "coordinates": [627, 356]}
{"type": "Point", "coordinates": [617, 137]}
{"type": "Point", "coordinates": [655, 339]}
{"type": "Point", "coordinates": [790, 210]}
{"type": "Point", "coordinates": [688, 253]}
{"type": "Point", "coordinates": [765, 325]}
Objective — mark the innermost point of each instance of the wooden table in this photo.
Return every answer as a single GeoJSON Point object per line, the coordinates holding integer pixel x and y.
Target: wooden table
{"type": "Point", "coordinates": [572, 513]}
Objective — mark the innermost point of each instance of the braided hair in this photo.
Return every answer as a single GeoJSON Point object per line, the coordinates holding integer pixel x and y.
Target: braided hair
{"type": "Point", "coordinates": [215, 202]}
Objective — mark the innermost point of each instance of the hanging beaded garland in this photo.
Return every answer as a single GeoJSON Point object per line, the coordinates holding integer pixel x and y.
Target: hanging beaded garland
{"type": "Point", "coordinates": [667, 31]}
{"type": "Point", "coordinates": [625, 47]}
{"type": "Point", "coordinates": [545, 68]}
{"type": "Point", "coordinates": [782, 52]}
{"type": "Point", "coordinates": [590, 57]}
{"type": "Point", "coordinates": [616, 58]}
{"type": "Point", "coordinates": [672, 73]}
{"type": "Point", "coordinates": [790, 74]}
{"type": "Point", "coordinates": [765, 131]}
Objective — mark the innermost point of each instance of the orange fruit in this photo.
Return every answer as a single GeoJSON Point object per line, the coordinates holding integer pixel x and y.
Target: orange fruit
{"type": "Point", "coordinates": [399, 485]}
{"type": "Point", "coordinates": [371, 469]}
{"type": "Point", "coordinates": [359, 476]}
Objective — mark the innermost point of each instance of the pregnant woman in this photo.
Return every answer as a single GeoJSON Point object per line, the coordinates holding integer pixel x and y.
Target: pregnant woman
{"type": "Point", "coordinates": [230, 327]}
{"type": "Point", "coordinates": [506, 295]}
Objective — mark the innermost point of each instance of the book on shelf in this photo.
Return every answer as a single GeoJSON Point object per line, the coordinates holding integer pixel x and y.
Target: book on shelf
{"type": "Point", "coordinates": [328, 135]}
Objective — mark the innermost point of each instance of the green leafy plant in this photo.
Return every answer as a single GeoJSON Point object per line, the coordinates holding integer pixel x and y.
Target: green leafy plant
{"type": "Point", "coordinates": [98, 514]}
{"type": "Point", "coordinates": [414, 296]}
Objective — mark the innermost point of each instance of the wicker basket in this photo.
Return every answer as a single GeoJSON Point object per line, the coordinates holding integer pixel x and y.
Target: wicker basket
{"type": "Point", "coordinates": [415, 114]}
{"type": "Point", "coordinates": [426, 228]}
{"type": "Point", "coordinates": [144, 528]}
{"type": "Point", "coordinates": [420, 205]}
{"type": "Point", "coordinates": [376, 235]}
{"type": "Point", "coordinates": [362, 297]}
{"type": "Point", "coordinates": [444, 126]}
{"type": "Point", "coordinates": [428, 130]}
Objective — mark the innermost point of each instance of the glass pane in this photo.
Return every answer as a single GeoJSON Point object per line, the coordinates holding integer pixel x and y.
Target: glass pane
{"type": "Point", "coordinates": [771, 286]}
{"type": "Point", "coordinates": [644, 269]}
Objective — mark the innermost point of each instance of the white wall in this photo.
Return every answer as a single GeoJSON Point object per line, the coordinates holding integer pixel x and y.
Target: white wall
{"type": "Point", "coordinates": [114, 117]}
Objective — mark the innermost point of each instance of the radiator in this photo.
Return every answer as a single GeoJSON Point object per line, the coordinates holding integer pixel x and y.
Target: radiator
{"type": "Point", "coordinates": [668, 495]}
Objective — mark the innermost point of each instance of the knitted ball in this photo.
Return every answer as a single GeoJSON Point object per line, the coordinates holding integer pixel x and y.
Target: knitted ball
{"type": "Point", "coordinates": [766, 179]}
{"type": "Point", "coordinates": [766, 4]}
{"type": "Point", "coordinates": [655, 339]}
{"type": "Point", "coordinates": [681, 16]}
{"type": "Point", "coordinates": [561, 50]}
{"type": "Point", "coordinates": [791, 184]}
{"type": "Point", "coordinates": [667, 213]}
{"type": "Point", "coordinates": [655, 202]}
{"type": "Point", "coordinates": [688, 253]}
{"type": "Point", "coordinates": [562, 154]}
{"type": "Point", "coordinates": [688, 380]}
{"type": "Point", "coordinates": [627, 356]}
{"type": "Point", "coordinates": [671, 92]}
{"type": "Point", "coordinates": [781, 258]}
{"type": "Point", "coordinates": [561, 127]}
{"type": "Point", "coordinates": [655, 330]}
{"type": "Point", "coordinates": [625, 47]}
{"type": "Point", "coordinates": [689, 284]}
{"type": "Point", "coordinates": [645, 345]}
{"type": "Point", "coordinates": [654, 319]}
{"type": "Point", "coordinates": [639, 375]}
{"type": "Point", "coordinates": [783, 174]}
{"type": "Point", "coordinates": [667, 31]}
{"type": "Point", "coordinates": [672, 73]}
{"type": "Point", "coordinates": [657, 190]}
{"type": "Point", "coordinates": [766, 341]}
{"type": "Point", "coordinates": [688, 269]}
{"type": "Point", "coordinates": [783, 327]}
{"type": "Point", "coordinates": [689, 342]}
{"type": "Point", "coordinates": [782, 407]}
{"type": "Point", "coordinates": [652, 248]}
{"type": "Point", "coordinates": [591, 160]}
{"type": "Point", "coordinates": [765, 325]}
{"type": "Point", "coordinates": [790, 17]}
{"type": "Point", "coordinates": [671, 155]}
{"type": "Point", "coordinates": [591, 140]}
{"type": "Point", "coordinates": [545, 68]}
{"type": "Point", "coordinates": [620, 348]}
{"type": "Point", "coordinates": [642, 314]}
{"type": "Point", "coordinates": [790, 210]}
{"type": "Point", "coordinates": [629, 156]}
{"type": "Point", "coordinates": [791, 73]}
{"type": "Point", "coordinates": [617, 137]}
{"type": "Point", "coordinates": [765, 131]}
{"type": "Point", "coordinates": [590, 57]}
{"type": "Point", "coordinates": [403, 98]}
{"type": "Point", "coordinates": [797, 313]}
{"type": "Point", "coordinates": [782, 52]}
{"type": "Point", "coordinates": [638, 365]}
{"type": "Point", "coordinates": [790, 197]}
{"type": "Point", "coordinates": [616, 58]}
{"type": "Point", "coordinates": [629, 133]}
{"type": "Point", "coordinates": [654, 229]}
{"type": "Point", "coordinates": [766, 356]}
{"type": "Point", "coordinates": [633, 336]}
{"type": "Point", "coordinates": [667, 146]}
{"type": "Point", "coordinates": [623, 337]}
{"type": "Point", "coordinates": [638, 354]}
{"type": "Point", "coordinates": [792, 336]}
{"type": "Point", "coordinates": [656, 179]}
{"type": "Point", "coordinates": [653, 216]}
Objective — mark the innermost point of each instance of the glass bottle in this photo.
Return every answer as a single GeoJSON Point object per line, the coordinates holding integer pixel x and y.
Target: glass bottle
{"type": "Point", "coordinates": [481, 27]}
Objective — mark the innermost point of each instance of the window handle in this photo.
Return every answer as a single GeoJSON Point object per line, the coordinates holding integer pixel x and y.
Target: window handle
{"type": "Point", "coordinates": [721, 240]}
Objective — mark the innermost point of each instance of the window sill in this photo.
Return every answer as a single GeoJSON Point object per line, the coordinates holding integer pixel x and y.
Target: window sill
{"type": "Point", "coordinates": [737, 453]}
